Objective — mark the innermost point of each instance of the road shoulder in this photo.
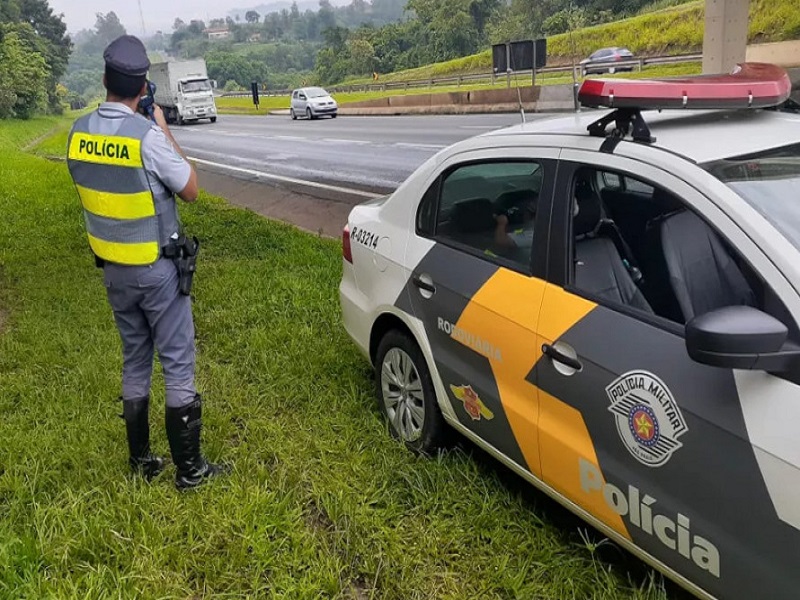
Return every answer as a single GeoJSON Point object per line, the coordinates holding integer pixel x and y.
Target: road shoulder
{"type": "Point", "coordinates": [321, 213]}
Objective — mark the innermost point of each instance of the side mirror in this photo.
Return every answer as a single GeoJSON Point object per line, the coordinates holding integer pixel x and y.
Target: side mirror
{"type": "Point", "coordinates": [302, 96]}
{"type": "Point", "coordinates": [740, 337]}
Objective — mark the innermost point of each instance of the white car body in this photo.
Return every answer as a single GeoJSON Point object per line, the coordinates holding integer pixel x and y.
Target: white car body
{"type": "Point", "coordinates": [717, 511]}
{"type": "Point", "coordinates": [312, 103]}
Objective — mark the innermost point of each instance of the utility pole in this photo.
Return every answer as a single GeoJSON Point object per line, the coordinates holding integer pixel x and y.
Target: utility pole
{"type": "Point", "coordinates": [141, 16]}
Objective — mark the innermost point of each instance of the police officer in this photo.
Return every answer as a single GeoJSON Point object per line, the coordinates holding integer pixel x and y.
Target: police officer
{"type": "Point", "coordinates": [127, 170]}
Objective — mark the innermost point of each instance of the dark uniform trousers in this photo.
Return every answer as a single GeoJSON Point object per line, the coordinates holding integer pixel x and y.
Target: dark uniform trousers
{"type": "Point", "coordinates": [151, 314]}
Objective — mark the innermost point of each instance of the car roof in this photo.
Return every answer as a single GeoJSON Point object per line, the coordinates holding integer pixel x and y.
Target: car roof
{"type": "Point", "coordinates": [699, 135]}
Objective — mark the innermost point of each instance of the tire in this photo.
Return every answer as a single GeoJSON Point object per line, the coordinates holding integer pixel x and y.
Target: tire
{"type": "Point", "coordinates": [213, 119]}
{"type": "Point", "coordinates": [333, 116]}
{"type": "Point", "coordinates": [406, 396]}
{"type": "Point", "coordinates": [309, 114]}
{"type": "Point", "coordinates": [179, 119]}
{"type": "Point", "coordinates": [291, 114]}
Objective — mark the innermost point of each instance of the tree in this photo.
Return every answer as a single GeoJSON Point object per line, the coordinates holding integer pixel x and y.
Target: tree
{"type": "Point", "coordinates": [24, 73]}
{"type": "Point", "coordinates": [156, 42]}
{"type": "Point", "coordinates": [336, 38]}
{"type": "Point", "coordinates": [362, 57]}
{"type": "Point", "coordinates": [252, 16]}
{"type": "Point", "coordinates": [226, 67]}
{"type": "Point", "coordinates": [48, 36]}
{"type": "Point", "coordinates": [108, 28]}
{"type": "Point", "coordinates": [327, 16]}
{"type": "Point", "coordinates": [196, 27]}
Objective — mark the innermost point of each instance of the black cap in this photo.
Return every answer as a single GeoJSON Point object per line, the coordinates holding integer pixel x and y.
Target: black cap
{"type": "Point", "coordinates": [127, 55]}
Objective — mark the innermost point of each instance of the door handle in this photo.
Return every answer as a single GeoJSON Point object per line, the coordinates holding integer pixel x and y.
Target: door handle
{"type": "Point", "coordinates": [558, 356]}
{"type": "Point", "coordinates": [423, 285]}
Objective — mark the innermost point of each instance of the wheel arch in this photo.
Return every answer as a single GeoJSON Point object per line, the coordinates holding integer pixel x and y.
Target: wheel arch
{"type": "Point", "coordinates": [383, 325]}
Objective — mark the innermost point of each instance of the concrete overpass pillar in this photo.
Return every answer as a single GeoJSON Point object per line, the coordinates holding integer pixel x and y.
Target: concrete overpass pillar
{"type": "Point", "coordinates": [725, 38]}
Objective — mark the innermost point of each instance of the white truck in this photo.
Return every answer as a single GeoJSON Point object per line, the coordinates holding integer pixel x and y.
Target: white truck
{"type": "Point", "coordinates": [183, 90]}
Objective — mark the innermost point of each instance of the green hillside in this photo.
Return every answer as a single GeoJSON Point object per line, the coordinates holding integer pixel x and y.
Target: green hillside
{"type": "Point", "coordinates": [673, 30]}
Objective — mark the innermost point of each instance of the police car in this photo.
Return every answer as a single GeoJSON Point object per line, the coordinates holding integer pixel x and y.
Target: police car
{"type": "Point", "coordinates": [608, 303]}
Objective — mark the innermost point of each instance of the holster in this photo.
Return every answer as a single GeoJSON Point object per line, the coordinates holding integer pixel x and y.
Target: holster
{"type": "Point", "coordinates": [186, 262]}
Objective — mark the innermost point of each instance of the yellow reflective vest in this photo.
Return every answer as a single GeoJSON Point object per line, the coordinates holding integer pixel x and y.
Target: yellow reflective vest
{"type": "Point", "coordinates": [118, 204]}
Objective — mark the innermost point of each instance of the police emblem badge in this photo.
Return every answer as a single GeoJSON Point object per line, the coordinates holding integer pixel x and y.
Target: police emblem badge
{"type": "Point", "coordinates": [647, 416]}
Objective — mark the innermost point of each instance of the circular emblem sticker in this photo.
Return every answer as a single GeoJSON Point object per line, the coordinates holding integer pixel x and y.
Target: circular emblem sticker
{"type": "Point", "coordinates": [648, 419]}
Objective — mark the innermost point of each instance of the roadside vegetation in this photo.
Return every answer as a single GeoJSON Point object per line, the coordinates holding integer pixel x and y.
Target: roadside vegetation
{"type": "Point", "coordinates": [34, 50]}
{"type": "Point", "coordinates": [321, 504]}
{"type": "Point", "coordinates": [660, 29]}
{"type": "Point", "coordinates": [244, 105]}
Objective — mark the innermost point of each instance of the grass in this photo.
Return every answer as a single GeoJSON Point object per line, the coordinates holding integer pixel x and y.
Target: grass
{"type": "Point", "coordinates": [321, 504]}
{"type": "Point", "coordinates": [244, 105]}
{"type": "Point", "coordinates": [665, 29]}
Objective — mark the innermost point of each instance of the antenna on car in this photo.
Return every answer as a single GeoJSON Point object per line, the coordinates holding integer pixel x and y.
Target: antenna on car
{"type": "Point", "coordinates": [516, 83]}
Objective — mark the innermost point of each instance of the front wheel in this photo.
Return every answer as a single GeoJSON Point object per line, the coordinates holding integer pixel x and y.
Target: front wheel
{"type": "Point", "coordinates": [213, 119]}
{"type": "Point", "coordinates": [333, 116]}
{"type": "Point", "coordinates": [309, 114]}
{"type": "Point", "coordinates": [406, 395]}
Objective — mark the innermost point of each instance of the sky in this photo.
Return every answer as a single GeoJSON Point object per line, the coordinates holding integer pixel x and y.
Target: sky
{"type": "Point", "coordinates": [158, 14]}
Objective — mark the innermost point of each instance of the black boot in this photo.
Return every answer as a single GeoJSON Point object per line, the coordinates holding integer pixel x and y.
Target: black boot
{"type": "Point", "coordinates": [135, 412]}
{"type": "Point", "coordinates": [183, 431]}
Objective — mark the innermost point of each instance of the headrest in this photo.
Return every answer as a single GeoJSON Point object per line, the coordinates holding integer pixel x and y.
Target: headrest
{"type": "Point", "coordinates": [668, 202]}
{"type": "Point", "coordinates": [473, 215]}
{"type": "Point", "coordinates": [590, 211]}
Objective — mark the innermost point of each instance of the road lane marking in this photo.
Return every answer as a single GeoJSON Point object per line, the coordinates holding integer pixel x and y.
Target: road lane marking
{"type": "Point", "coordinates": [336, 141]}
{"type": "Point", "coordinates": [424, 146]}
{"type": "Point", "coordinates": [284, 179]}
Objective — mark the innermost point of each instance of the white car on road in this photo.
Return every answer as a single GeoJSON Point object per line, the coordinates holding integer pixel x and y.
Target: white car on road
{"type": "Point", "coordinates": [312, 103]}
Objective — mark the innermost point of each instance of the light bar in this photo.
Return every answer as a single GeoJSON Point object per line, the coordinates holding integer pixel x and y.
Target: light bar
{"type": "Point", "coordinates": [749, 85]}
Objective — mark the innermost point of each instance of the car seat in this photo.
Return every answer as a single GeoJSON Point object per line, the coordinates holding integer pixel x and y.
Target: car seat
{"type": "Point", "coordinates": [702, 273]}
{"type": "Point", "coordinates": [599, 268]}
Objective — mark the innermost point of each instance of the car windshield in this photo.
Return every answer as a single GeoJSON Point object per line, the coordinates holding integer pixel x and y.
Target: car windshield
{"type": "Point", "coordinates": [770, 182]}
{"type": "Point", "coordinates": [316, 93]}
{"type": "Point", "coordinates": [197, 86]}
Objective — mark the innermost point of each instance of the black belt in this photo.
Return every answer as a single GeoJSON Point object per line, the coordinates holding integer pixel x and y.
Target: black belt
{"type": "Point", "coordinates": [168, 251]}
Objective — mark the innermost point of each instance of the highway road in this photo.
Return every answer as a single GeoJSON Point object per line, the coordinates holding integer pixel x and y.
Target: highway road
{"type": "Point", "coordinates": [365, 153]}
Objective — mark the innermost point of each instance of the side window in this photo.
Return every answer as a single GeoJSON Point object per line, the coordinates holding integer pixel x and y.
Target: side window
{"type": "Point", "coordinates": [634, 185]}
{"type": "Point", "coordinates": [426, 215]}
{"type": "Point", "coordinates": [487, 209]}
{"type": "Point", "coordinates": [610, 180]}
{"type": "Point", "coordinates": [642, 247]}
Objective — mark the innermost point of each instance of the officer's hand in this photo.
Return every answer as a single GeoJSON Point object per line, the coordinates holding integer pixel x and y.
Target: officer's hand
{"type": "Point", "coordinates": [158, 114]}
{"type": "Point", "coordinates": [502, 220]}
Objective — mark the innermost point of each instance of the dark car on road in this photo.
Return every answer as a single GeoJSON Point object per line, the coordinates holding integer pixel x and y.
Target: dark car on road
{"type": "Point", "coordinates": [602, 61]}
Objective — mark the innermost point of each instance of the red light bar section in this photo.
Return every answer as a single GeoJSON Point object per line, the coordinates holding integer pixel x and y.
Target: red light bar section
{"type": "Point", "coordinates": [749, 85]}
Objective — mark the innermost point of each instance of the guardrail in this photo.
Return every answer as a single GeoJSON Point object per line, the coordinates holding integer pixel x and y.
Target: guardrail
{"type": "Point", "coordinates": [634, 64]}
